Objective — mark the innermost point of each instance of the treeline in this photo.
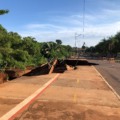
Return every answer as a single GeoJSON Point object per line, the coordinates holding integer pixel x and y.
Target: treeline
{"type": "Point", "coordinates": [19, 52]}
{"type": "Point", "coordinates": [109, 47]}
{"type": "Point", "coordinates": [2, 12]}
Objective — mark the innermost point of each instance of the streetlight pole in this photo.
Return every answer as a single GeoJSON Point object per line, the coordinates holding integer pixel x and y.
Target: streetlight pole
{"type": "Point", "coordinates": [76, 35]}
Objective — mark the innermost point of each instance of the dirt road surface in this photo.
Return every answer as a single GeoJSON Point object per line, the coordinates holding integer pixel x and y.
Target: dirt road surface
{"type": "Point", "coordinates": [79, 94]}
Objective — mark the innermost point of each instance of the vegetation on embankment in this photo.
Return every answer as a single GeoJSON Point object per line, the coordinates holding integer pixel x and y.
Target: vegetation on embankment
{"type": "Point", "coordinates": [18, 52]}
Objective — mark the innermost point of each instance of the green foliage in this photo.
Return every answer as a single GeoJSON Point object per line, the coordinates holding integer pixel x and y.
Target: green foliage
{"type": "Point", "coordinates": [58, 41]}
{"type": "Point", "coordinates": [31, 45]}
{"type": "Point", "coordinates": [3, 12]}
{"type": "Point", "coordinates": [20, 55]}
{"type": "Point", "coordinates": [107, 47]}
{"type": "Point", "coordinates": [18, 52]}
{"type": "Point", "coordinates": [2, 30]}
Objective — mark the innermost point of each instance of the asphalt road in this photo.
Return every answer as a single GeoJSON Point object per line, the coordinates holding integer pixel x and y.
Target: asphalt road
{"type": "Point", "coordinates": [110, 71]}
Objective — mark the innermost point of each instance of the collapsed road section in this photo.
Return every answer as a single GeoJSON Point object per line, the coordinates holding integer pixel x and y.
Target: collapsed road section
{"type": "Point", "coordinates": [57, 66]}
{"type": "Point", "coordinates": [78, 94]}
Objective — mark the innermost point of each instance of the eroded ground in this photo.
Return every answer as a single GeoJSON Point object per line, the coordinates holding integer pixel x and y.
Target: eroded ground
{"type": "Point", "coordinates": [79, 94]}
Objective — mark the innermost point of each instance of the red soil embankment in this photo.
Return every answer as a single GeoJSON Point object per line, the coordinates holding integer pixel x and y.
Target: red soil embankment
{"type": "Point", "coordinates": [3, 77]}
{"type": "Point", "coordinates": [15, 73]}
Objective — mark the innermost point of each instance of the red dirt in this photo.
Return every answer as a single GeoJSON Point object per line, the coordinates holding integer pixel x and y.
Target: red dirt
{"type": "Point", "coordinates": [15, 73]}
{"type": "Point", "coordinates": [79, 94]}
{"type": "Point", "coordinates": [3, 77]}
{"type": "Point", "coordinates": [62, 111]}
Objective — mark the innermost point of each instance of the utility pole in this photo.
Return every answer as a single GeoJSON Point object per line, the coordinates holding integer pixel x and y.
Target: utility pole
{"type": "Point", "coordinates": [76, 50]}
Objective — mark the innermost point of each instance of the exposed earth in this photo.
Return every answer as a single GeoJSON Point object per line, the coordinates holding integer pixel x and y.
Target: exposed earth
{"type": "Point", "coordinates": [79, 94]}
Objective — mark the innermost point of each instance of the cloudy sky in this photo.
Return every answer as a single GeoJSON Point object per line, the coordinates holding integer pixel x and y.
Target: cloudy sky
{"type": "Point", "coordinates": [48, 20]}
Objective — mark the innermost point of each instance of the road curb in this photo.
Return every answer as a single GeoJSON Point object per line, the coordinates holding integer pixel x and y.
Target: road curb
{"type": "Point", "coordinates": [107, 83]}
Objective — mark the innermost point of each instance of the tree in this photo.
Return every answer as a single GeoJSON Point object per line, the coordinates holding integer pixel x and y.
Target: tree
{"type": "Point", "coordinates": [46, 49]}
{"type": "Point", "coordinates": [3, 12]}
{"type": "Point", "coordinates": [15, 40]}
{"type": "Point", "coordinates": [19, 52]}
{"type": "Point", "coordinates": [2, 30]}
{"type": "Point", "coordinates": [30, 45]}
{"type": "Point", "coordinates": [20, 55]}
{"type": "Point", "coordinates": [59, 42]}
{"type": "Point", "coordinates": [109, 47]}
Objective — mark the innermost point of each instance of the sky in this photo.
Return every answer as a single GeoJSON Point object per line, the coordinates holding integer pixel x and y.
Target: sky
{"type": "Point", "coordinates": [48, 20]}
